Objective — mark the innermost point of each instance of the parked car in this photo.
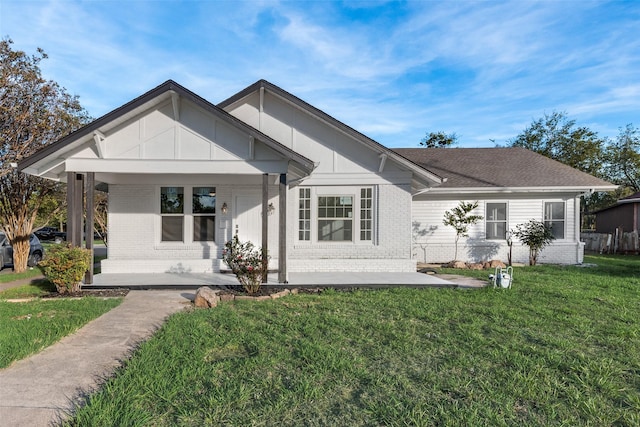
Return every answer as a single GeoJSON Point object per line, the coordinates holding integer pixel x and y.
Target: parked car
{"type": "Point", "coordinates": [36, 251]}
{"type": "Point", "coordinates": [46, 233]}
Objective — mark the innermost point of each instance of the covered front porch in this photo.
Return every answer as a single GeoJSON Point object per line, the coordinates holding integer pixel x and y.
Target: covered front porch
{"type": "Point", "coordinates": [296, 279]}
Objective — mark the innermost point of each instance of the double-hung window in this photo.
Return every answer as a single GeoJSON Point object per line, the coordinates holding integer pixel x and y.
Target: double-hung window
{"type": "Point", "coordinates": [172, 212]}
{"type": "Point", "coordinates": [204, 214]}
{"type": "Point", "coordinates": [335, 218]}
{"type": "Point", "coordinates": [554, 218]}
{"type": "Point", "coordinates": [182, 217]}
{"type": "Point", "coordinates": [496, 221]}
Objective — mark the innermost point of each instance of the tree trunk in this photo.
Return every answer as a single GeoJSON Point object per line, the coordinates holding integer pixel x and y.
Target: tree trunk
{"type": "Point", "coordinates": [20, 254]}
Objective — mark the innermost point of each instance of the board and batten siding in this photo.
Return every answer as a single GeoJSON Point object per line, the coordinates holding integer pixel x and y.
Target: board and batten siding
{"type": "Point", "coordinates": [433, 242]}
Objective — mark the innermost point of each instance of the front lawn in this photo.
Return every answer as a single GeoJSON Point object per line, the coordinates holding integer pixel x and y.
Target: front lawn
{"type": "Point", "coordinates": [29, 327]}
{"type": "Point", "coordinates": [562, 347]}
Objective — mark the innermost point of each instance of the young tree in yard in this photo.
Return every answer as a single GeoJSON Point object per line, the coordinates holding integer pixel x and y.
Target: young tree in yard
{"type": "Point", "coordinates": [34, 112]}
{"type": "Point", "coordinates": [439, 140]}
{"type": "Point", "coordinates": [536, 235]}
{"type": "Point", "coordinates": [460, 219]}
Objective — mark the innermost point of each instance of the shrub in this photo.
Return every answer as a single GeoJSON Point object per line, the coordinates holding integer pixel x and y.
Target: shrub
{"type": "Point", "coordinates": [536, 235]}
{"type": "Point", "coordinates": [64, 266]}
{"type": "Point", "coordinates": [245, 260]}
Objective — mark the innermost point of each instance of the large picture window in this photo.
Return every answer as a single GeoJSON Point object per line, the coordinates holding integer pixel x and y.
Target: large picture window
{"type": "Point", "coordinates": [172, 212]}
{"type": "Point", "coordinates": [496, 221]}
{"type": "Point", "coordinates": [554, 218]}
{"type": "Point", "coordinates": [335, 218]}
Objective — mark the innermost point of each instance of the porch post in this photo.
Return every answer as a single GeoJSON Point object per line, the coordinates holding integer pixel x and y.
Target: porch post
{"type": "Point", "coordinates": [78, 194]}
{"type": "Point", "coordinates": [265, 226]}
{"type": "Point", "coordinates": [71, 186]}
{"type": "Point", "coordinates": [282, 227]}
{"type": "Point", "coordinates": [89, 186]}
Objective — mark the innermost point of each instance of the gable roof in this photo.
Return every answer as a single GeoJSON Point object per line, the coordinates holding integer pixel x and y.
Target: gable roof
{"type": "Point", "coordinates": [422, 174]}
{"type": "Point", "coordinates": [153, 97]}
{"type": "Point", "coordinates": [501, 169]}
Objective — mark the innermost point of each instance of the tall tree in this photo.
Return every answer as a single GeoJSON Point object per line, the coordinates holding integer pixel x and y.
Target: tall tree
{"type": "Point", "coordinates": [623, 158]}
{"type": "Point", "coordinates": [34, 112]}
{"type": "Point", "coordinates": [439, 140]}
{"type": "Point", "coordinates": [558, 138]}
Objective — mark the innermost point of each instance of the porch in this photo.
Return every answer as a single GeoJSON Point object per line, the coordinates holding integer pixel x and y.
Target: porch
{"type": "Point", "coordinates": [307, 279]}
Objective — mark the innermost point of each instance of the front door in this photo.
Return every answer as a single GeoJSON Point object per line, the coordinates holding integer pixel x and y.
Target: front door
{"type": "Point", "coordinates": [248, 221]}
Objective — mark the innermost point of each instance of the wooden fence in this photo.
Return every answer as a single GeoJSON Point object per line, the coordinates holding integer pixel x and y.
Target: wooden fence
{"type": "Point", "coordinates": [619, 242]}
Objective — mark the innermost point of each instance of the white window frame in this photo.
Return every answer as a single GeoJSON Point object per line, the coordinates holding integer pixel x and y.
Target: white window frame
{"type": "Point", "coordinates": [338, 191]}
{"type": "Point", "coordinates": [564, 219]}
{"type": "Point", "coordinates": [188, 215]}
{"type": "Point", "coordinates": [488, 222]}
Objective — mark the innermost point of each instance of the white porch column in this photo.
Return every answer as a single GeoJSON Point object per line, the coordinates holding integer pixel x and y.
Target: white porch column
{"type": "Point", "coordinates": [265, 225]}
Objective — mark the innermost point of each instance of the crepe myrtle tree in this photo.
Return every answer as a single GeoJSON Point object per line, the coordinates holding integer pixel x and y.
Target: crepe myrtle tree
{"type": "Point", "coordinates": [34, 112]}
{"type": "Point", "coordinates": [536, 235]}
{"type": "Point", "coordinates": [460, 218]}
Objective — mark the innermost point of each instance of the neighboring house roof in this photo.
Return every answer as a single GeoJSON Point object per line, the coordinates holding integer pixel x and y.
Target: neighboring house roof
{"type": "Point", "coordinates": [501, 169]}
{"type": "Point", "coordinates": [425, 174]}
{"type": "Point", "coordinates": [634, 198]}
{"type": "Point", "coordinates": [67, 144]}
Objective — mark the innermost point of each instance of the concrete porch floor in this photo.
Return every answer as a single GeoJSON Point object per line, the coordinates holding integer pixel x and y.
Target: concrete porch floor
{"type": "Point", "coordinates": [336, 279]}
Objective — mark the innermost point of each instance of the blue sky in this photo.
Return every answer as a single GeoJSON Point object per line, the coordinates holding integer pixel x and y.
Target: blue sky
{"type": "Point", "coordinates": [392, 70]}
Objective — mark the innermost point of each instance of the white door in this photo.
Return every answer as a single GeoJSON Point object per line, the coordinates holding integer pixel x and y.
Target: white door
{"type": "Point", "coordinates": [248, 221]}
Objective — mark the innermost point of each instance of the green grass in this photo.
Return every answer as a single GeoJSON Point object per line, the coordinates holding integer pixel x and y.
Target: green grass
{"type": "Point", "coordinates": [36, 288]}
{"type": "Point", "coordinates": [12, 277]}
{"type": "Point", "coordinates": [562, 347]}
{"type": "Point", "coordinates": [29, 327]}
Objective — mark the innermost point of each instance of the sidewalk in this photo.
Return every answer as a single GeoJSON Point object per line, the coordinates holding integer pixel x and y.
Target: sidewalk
{"type": "Point", "coordinates": [42, 389]}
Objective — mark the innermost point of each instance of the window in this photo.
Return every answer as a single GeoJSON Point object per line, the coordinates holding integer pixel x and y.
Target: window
{"type": "Point", "coordinates": [554, 218]}
{"type": "Point", "coordinates": [204, 214]}
{"type": "Point", "coordinates": [496, 221]}
{"type": "Point", "coordinates": [335, 218]}
{"type": "Point", "coordinates": [366, 217]}
{"type": "Point", "coordinates": [172, 212]}
{"type": "Point", "coordinates": [304, 214]}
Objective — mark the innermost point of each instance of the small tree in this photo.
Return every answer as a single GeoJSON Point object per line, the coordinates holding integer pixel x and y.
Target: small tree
{"type": "Point", "coordinates": [536, 235]}
{"type": "Point", "coordinates": [460, 219]}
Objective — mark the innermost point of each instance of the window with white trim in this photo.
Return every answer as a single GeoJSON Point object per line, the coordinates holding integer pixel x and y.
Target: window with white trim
{"type": "Point", "coordinates": [496, 221]}
{"type": "Point", "coordinates": [366, 213]}
{"type": "Point", "coordinates": [304, 214]}
{"type": "Point", "coordinates": [336, 214]}
{"type": "Point", "coordinates": [204, 214]}
{"type": "Point", "coordinates": [554, 217]}
{"type": "Point", "coordinates": [335, 218]}
{"type": "Point", "coordinates": [172, 212]}
{"type": "Point", "coordinates": [184, 219]}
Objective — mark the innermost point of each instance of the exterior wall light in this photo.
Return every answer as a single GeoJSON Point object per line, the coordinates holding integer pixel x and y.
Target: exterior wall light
{"type": "Point", "coordinates": [224, 208]}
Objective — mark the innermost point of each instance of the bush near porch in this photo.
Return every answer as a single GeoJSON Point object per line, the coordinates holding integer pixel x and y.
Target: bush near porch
{"type": "Point", "coordinates": [561, 347]}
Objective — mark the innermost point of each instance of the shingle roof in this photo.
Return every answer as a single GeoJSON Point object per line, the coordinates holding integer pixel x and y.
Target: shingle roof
{"type": "Point", "coordinates": [499, 167]}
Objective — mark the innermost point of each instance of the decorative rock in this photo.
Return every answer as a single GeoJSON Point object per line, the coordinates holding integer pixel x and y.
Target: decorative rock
{"type": "Point", "coordinates": [486, 265]}
{"type": "Point", "coordinates": [457, 264]}
{"type": "Point", "coordinates": [475, 266]}
{"type": "Point", "coordinates": [280, 294]}
{"type": "Point", "coordinates": [295, 291]}
{"type": "Point", "coordinates": [227, 297]}
{"type": "Point", "coordinates": [496, 263]}
{"type": "Point", "coordinates": [206, 297]}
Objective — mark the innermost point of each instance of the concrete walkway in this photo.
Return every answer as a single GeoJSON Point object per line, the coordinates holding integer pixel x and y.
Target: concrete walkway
{"type": "Point", "coordinates": [42, 389]}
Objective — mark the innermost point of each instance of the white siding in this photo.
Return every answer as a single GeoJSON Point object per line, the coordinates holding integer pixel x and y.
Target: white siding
{"type": "Point", "coordinates": [433, 242]}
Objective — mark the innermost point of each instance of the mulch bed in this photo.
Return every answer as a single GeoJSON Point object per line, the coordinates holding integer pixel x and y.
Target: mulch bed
{"type": "Point", "coordinates": [99, 293]}
{"type": "Point", "coordinates": [264, 290]}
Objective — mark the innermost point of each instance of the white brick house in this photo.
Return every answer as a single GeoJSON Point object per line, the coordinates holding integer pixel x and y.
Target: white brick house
{"type": "Point", "coordinates": [184, 175]}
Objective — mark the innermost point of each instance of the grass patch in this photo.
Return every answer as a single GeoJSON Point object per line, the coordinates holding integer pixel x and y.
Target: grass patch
{"type": "Point", "coordinates": [36, 288]}
{"type": "Point", "coordinates": [562, 347]}
{"type": "Point", "coordinates": [12, 277]}
{"type": "Point", "coordinates": [31, 326]}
